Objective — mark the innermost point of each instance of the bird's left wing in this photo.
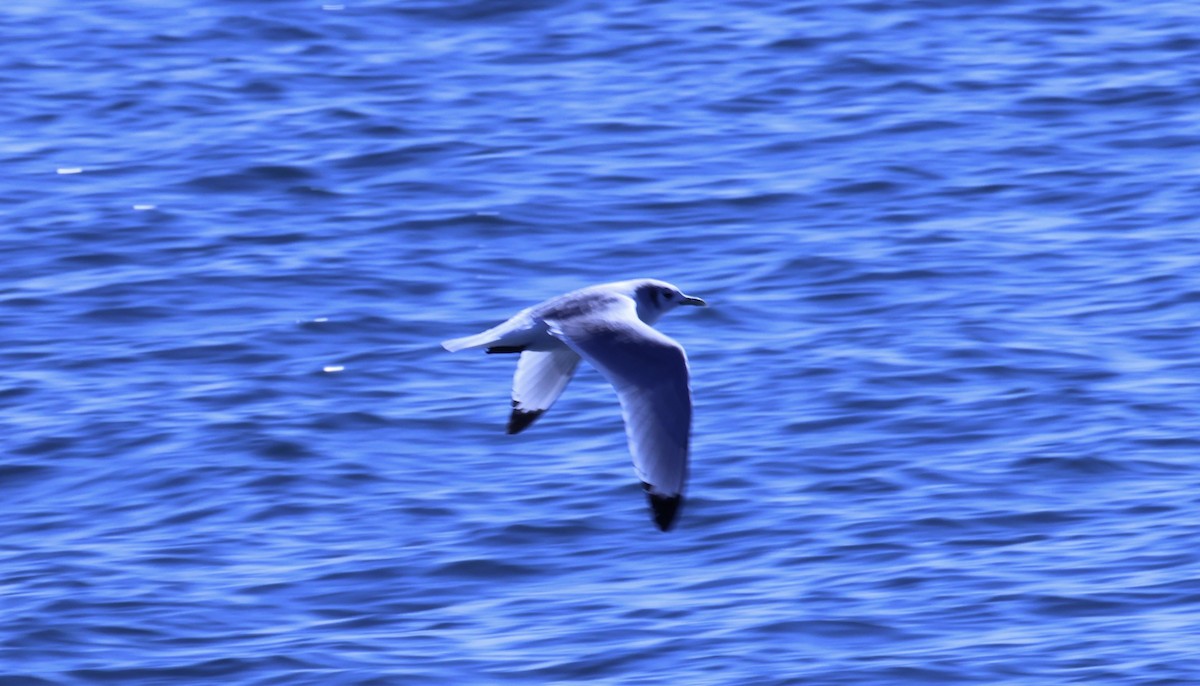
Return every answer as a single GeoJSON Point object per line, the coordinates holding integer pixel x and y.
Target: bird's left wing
{"type": "Point", "coordinates": [650, 374]}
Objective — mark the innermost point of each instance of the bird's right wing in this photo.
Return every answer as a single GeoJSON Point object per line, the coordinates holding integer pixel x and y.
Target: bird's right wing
{"type": "Point", "coordinates": [541, 377]}
{"type": "Point", "coordinates": [650, 373]}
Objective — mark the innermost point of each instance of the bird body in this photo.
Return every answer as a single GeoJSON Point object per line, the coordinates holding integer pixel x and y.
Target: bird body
{"type": "Point", "coordinates": [609, 326]}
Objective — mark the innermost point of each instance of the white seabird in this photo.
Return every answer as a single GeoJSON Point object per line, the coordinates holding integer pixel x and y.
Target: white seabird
{"type": "Point", "coordinates": [610, 326]}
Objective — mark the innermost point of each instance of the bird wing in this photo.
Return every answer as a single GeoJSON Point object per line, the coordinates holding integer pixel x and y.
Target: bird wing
{"type": "Point", "coordinates": [541, 377]}
{"type": "Point", "coordinates": [650, 373]}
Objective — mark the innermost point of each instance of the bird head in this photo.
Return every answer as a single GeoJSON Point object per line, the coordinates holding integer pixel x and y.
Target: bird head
{"type": "Point", "coordinates": [655, 298]}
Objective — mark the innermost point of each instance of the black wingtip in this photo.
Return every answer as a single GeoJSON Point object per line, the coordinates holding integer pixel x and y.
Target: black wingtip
{"type": "Point", "coordinates": [665, 507]}
{"type": "Point", "coordinates": [520, 419]}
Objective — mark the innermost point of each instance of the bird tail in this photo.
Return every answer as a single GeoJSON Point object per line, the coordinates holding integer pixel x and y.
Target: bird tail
{"type": "Point", "coordinates": [479, 340]}
{"type": "Point", "coordinates": [511, 336]}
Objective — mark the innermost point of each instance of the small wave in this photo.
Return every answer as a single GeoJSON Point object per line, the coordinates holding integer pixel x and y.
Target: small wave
{"type": "Point", "coordinates": [254, 178]}
{"type": "Point", "coordinates": [1067, 465]}
{"type": "Point", "coordinates": [486, 569]}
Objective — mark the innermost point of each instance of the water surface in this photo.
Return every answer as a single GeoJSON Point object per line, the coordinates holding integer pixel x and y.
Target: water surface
{"type": "Point", "coordinates": [946, 390]}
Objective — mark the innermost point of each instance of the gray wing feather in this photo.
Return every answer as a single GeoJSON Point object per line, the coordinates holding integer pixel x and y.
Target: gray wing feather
{"type": "Point", "coordinates": [541, 377]}
{"type": "Point", "coordinates": [650, 373]}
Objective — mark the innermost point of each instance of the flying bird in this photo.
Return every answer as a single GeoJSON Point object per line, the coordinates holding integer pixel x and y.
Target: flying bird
{"type": "Point", "coordinates": [610, 326]}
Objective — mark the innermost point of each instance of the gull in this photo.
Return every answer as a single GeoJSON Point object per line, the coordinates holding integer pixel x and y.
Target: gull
{"type": "Point", "coordinates": [610, 326]}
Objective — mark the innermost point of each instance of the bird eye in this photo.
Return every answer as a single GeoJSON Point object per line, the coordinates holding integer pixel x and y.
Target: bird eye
{"type": "Point", "coordinates": [668, 294]}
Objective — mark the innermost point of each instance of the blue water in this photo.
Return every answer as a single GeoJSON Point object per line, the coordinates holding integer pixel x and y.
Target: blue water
{"type": "Point", "coordinates": [947, 392]}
